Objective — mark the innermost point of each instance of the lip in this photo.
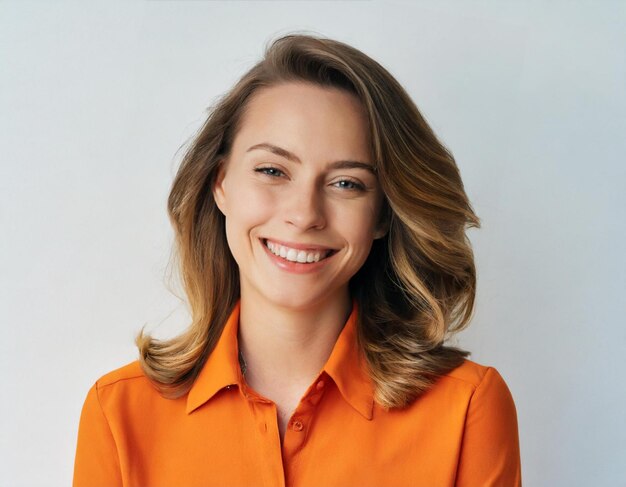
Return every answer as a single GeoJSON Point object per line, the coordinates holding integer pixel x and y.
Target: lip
{"type": "Point", "coordinates": [296, 267]}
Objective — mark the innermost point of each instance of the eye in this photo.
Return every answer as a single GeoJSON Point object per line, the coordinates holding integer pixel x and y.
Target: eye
{"type": "Point", "coordinates": [350, 185]}
{"type": "Point", "coordinates": [269, 171]}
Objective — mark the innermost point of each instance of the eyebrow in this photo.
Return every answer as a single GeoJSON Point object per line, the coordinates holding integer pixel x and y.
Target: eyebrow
{"type": "Point", "coordinates": [344, 164]}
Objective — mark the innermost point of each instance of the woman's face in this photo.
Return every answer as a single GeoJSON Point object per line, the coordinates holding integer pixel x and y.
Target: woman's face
{"type": "Point", "coordinates": [287, 184]}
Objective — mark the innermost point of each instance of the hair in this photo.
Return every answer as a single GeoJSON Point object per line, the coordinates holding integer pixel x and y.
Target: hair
{"type": "Point", "coordinates": [417, 286]}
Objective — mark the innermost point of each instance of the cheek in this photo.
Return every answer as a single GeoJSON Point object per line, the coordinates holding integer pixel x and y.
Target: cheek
{"type": "Point", "coordinates": [356, 225]}
{"type": "Point", "coordinates": [358, 222]}
{"type": "Point", "coordinates": [256, 206]}
{"type": "Point", "coordinates": [246, 213]}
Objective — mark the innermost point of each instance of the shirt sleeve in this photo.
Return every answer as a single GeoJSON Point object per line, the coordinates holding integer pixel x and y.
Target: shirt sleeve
{"type": "Point", "coordinates": [97, 461]}
{"type": "Point", "coordinates": [490, 452]}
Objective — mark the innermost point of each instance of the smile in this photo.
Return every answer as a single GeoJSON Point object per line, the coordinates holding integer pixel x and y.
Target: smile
{"type": "Point", "coordinates": [297, 255]}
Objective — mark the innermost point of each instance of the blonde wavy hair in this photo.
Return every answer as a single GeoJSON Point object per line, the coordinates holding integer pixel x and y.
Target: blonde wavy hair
{"type": "Point", "coordinates": [417, 286]}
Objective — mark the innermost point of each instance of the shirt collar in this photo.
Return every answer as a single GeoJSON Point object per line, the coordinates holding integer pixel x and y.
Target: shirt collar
{"type": "Point", "coordinates": [345, 366]}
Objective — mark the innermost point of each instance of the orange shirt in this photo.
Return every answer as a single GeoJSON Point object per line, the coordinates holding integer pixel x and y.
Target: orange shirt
{"type": "Point", "coordinates": [461, 432]}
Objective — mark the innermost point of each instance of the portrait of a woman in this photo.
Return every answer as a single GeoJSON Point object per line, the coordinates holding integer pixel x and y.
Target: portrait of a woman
{"type": "Point", "coordinates": [321, 239]}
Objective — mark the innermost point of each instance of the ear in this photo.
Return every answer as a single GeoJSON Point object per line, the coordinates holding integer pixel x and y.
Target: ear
{"type": "Point", "coordinates": [218, 187]}
{"type": "Point", "coordinates": [382, 227]}
{"type": "Point", "coordinates": [381, 231]}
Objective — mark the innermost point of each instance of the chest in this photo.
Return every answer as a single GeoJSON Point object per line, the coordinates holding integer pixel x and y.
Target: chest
{"type": "Point", "coordinates": [323, 440]}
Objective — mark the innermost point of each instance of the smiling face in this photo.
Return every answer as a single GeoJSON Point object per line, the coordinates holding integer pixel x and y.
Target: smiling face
{"type": "Point", "coordinates": [300, 179]}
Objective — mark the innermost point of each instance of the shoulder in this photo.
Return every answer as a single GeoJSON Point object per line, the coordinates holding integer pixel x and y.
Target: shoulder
{"type": "Point", "coordinates": [474, 374]}
{"type": "Point", "coordinates": [484, 388]}
{"type": "Point", "coordinates": [474, 383]}
{"type": "Point", "coordinates": [469, 372]}
{"type": "Point", "coordinates": [124, 390]}
{"type": "Point", "coordinates": [129, 372]}
{"type": "Point", "coordinates": [123, 383]}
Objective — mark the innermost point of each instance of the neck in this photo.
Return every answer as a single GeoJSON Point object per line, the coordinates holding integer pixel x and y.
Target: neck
{"type": "Point", "coordinates": [286, 348]}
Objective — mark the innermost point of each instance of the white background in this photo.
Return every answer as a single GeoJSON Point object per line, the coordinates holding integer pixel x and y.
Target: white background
{"type": "Point", "coordinates": [96, 100]}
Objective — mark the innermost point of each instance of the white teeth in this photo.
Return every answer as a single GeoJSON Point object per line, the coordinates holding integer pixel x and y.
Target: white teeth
{"type": "Point", "coordinates": [294, 255]}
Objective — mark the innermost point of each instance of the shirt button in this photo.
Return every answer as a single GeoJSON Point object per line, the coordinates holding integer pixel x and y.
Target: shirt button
{"type": "Point", "coordinates": [297, 426]}
{"type": "Point", "coordinates": [320, 385]}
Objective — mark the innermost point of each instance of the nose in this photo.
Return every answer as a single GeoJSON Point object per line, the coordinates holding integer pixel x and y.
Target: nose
{"type": "Point", "coordinates": [305, 208]}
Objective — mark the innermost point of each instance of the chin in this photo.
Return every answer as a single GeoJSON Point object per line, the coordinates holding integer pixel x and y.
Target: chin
{"type": "Point", "coordinates": [294, 301]}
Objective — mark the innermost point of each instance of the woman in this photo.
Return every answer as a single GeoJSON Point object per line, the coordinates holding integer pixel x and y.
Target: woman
{"type": "Point", "coordinates": [321, 235]}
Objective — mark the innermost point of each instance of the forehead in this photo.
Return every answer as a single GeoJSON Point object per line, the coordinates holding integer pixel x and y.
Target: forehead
{"type": "Point", "coordinates": [308, 119]}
